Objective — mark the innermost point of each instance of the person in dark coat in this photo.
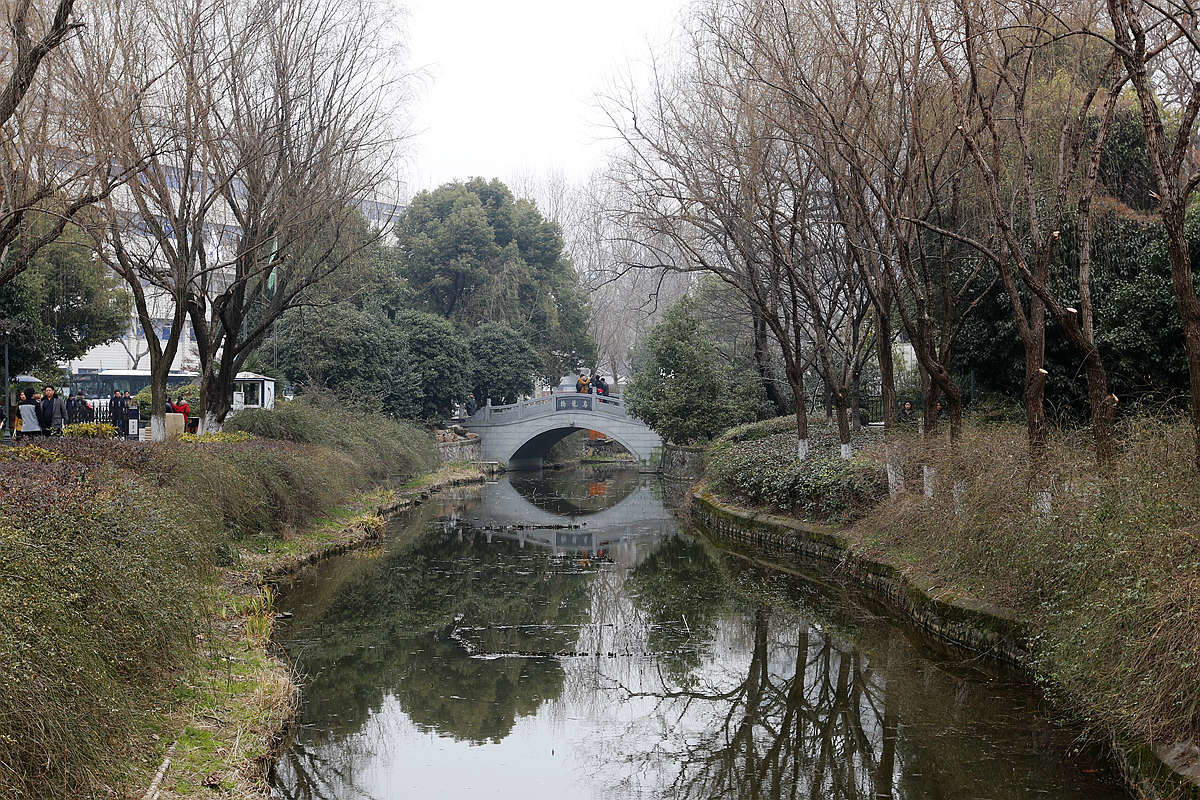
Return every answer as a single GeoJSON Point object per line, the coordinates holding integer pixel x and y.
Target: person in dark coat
{"type": "Point", "coordinates": [52, 413]}
{"type": "Point", "coordinates": [75, 408]}
{"type": "Point", "coordinates": [472, 406]}
{"type": "Point", "coordinates": [117, 408]}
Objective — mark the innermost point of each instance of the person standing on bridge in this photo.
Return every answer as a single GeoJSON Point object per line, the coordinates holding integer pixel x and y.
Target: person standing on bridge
{"type": "Point", "coordinates": [601, 386]}
{"type": "Point", "coordinates": [472, 406]}
{"type": "Point", "coordinates": [583, 385]}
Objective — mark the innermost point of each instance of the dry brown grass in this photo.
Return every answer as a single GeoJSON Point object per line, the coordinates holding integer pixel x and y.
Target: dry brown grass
{"type": "Point", "coordinates": [1109, 578]}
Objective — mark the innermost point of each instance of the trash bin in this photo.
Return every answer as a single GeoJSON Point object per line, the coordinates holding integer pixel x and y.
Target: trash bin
{"type": "Point", "coordinates": [132, 426]}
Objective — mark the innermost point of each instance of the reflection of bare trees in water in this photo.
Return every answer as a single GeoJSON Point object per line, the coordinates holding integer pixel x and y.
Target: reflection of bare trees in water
{"type": "Point", "coordinates": [801, 719]}
{"type": "Point", "coordinates": [680, 675]}
{"type": "Point", "coordinates": [311, 776]}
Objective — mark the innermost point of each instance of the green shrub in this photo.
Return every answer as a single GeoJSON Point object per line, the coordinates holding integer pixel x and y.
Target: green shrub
{"type": "Point", "coordinates": [31, 453]}
{"type": "Point", "coordinates": [757, 464]}
{"type": "Point", "coordinates": [219, 437]}
{"type": "Point", "coordinates": [682, 385]}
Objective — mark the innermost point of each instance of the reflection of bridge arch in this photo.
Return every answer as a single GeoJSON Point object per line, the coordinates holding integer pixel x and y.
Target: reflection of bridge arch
{"type": "Point", "coordinates": [522, 433]}
{"type": "Point", "coordinates": [587, 489]}
{"type": "Point", "coordinates": [503, 506]}
{"type": "Point", "coordinates": [622, 530]}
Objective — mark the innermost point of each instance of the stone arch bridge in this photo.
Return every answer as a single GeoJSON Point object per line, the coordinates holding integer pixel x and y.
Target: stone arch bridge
{"type": "Point", "coordinates": [521, 434]}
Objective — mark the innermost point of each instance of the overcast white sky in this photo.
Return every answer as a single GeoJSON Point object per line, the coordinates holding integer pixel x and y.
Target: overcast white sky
{"type": "Point", "coordinates": [510, 84]}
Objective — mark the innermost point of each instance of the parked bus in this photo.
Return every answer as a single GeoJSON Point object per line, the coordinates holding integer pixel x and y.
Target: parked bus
{"type": "Point", "coordinates": [100, 384]}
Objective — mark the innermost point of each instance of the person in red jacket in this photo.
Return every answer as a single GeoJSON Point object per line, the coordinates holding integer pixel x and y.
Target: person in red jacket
{"type": "Point", "coordinates": [182, 407]}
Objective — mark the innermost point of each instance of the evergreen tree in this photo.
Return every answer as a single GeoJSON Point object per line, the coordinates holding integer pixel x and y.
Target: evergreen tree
{"type": "Point", "coordinates": [682, 387]}
{"type": "Point", "coordinates": [503, 364]}
{"type": "Point", "coordinates": [473, 254]}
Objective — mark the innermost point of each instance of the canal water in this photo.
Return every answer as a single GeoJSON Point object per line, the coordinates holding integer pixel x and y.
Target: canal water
{"type": "Point", "coordinates": [561, 635]}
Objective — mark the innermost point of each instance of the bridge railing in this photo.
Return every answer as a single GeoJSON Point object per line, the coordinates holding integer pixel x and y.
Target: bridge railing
{"type": "Point", "coordinates": [553, 404]}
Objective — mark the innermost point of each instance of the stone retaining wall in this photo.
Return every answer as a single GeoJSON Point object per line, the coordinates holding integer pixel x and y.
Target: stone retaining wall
{"type": "Point", "coordinates": [460, 451]}
{"type": "Point", "coordinates": [967, 623]}
{"type": "Point", "coordinates": [1155, 772]}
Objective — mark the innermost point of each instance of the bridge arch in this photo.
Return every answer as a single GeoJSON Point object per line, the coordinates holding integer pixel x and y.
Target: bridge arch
{"type": "Point", "coordinates": [550, 433]}
{"type": "Point", "coordinates": [519, 435]}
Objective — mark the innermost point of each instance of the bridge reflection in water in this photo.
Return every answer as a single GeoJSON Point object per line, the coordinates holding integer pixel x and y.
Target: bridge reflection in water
{"type": "Point", "coordinates": [474, 657]}
{"type": "Point", "coordinates": [598, 512]}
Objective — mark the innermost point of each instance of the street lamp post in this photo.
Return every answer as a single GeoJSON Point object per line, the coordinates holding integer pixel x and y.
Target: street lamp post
{"type": "Point", "coordinates": [7, 388]}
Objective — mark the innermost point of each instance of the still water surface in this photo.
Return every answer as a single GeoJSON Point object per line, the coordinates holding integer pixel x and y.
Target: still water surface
{"type": "Point", "coordinates": [603, 652]}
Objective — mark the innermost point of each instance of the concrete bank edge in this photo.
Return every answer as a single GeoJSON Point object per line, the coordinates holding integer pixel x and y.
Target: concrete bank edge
{"type": "Point", "coordinates": [1156, 772]}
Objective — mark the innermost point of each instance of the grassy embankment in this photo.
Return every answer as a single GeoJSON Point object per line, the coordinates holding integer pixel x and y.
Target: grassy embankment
{"type": "Point", "coordinates": [133, 623]}
{"type": "Point", "coordinates": [1108, 581]}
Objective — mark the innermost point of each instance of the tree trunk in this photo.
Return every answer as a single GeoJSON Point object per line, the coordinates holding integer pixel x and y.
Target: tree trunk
{"type": "Point", "coordinates": [158, 399]}
{"type": "Point", "coordinates": [856, 420]}
{"type": "Point", "coordinates": [1035, 410]}
{"type": "Point", "coordinates": [1035, 377]}
{"type": "Point", "coordinates": [954, 409]}
{"type": "Point", "coordinates": [797, 385]}
{"type": "Point", "coordinates": [842, 405]}
{"type": "Point", "coordinates": [216, 401]}
{"type": "Point", "coordinates": [1189, 310]}
{"type": "Point", "coordinates": [216, 394]}
{"type": "Point", "coordinates": [887, 372]}
{"type": "Point", "coordinates": [929, 398]}
{"type": "Point", "coordinates": [762, 363]}
{"type": "Point", "coordinates": [1104, 406]}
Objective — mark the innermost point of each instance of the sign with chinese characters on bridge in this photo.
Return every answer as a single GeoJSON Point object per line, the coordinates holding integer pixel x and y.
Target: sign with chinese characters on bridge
{"type": "Point", "coordinates": [574, 404]}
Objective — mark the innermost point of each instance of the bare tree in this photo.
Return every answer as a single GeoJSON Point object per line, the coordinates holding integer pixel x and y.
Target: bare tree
{"type": "Point", "coordinates": [174, 65]}
{"type": "Point", "coordinates": [1009, 117]}
{"type": "Point", "coordinates": [705, 171]}
{"type": "Point", "coordinates": [1159, 46]}
{"type": "Point", "coordinates": [622, 304]}
{"type": "Point", "coordinates": [861, 81]}
{"type": "Point", "coordinates": [303, 141]}
{"type": "Point", "coordinates": [53, 82]}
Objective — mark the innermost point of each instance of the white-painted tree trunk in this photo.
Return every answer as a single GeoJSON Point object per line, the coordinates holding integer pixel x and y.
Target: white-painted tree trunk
{"type": "Point", "coordinates": [960, 497]}
{"type": "Point", "coordinates": [209, 423]}
{"type": "Point", "coordinates": [895, 470]}
{"type": "Point", "coordinates": [930, 476]}
{"type": "Point", "coordinates": [846, 451]}
{"type": "Point", "coordinates": [158, 427]}
{"type": "Point", "coordinates": [802, 449]}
